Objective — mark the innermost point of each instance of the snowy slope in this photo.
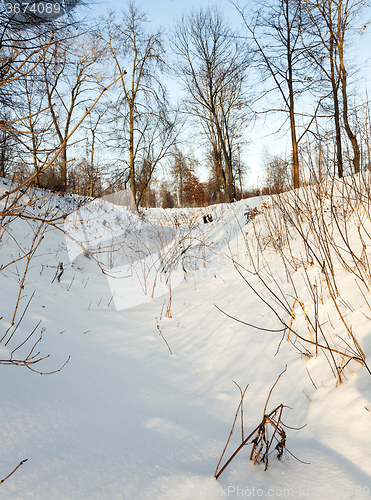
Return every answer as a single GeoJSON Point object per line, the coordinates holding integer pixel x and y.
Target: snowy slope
{"type": "Point", "coordinates": [128, 419]}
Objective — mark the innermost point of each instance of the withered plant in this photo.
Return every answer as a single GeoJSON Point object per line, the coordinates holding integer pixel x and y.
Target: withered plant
{"type": "Point", "coordinates": [268, 437]}
{"type": "Point", "coordinates": [317, 234]}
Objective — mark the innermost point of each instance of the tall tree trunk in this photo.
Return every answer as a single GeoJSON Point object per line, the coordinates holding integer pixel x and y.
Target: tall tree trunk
{"type": "Point", "coordinates": [343, 79]}
{"type": "Point", "coordinates": [34, 141]}
{"type": "Point", "coordinates": [227, 161]}
{"type": "Point", "coordinates": [3, 154]}
{"type": "Point", "coordinates": [64, 168]}
{"type": "Point", "coordinates": [350, 134]}
{"type": "Point", "coordinates": [149, 194]}
{"type": "Point", "coordinates": [367, 134]}
{"type": "Point", "coordinates": [295, 150]}
{"type": "Point", "coordinates": [335, 88]}
{"type": "Point", "coordinates": [131, 160]}
{"type": "Point", "coordinates": [91, 176]}
{"type": "Point", "coordinates": [290, 84]}
{"type": "Point", "coordinates": [177, 175]}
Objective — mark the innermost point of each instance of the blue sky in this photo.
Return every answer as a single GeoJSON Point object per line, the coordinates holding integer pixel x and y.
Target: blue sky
{"type": "Point", "coordinates": [163, 13]}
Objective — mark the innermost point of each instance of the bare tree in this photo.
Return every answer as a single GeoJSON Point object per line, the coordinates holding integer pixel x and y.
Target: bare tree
{"type": "Point", "coordinates": [212, 65]}
{"type": "Point", "coordinates": [331, 23]}
{"type": "Point", "coordinates": [240, 170]}
{"type": "Point", "coordinates": [32, 117]}
{"type": "Point", "coordinates": [7, 146]}
{"type": "Point", "coordinates": [95, 119]}
{"type": "Point", "coordinates": [277, 30]}
{"type": "Point", "coordinates": [323, 52]}
{"type": "Point", "coordinates": [278, 174]}
{"type": "Point", "coordinates": [177, 171]}
{"type": "Point", "coordinates": [146, 124]}
{"type": "Point", "coordinates": [19, 62]}
{"type": "Point", "coordinates": [70, 74]}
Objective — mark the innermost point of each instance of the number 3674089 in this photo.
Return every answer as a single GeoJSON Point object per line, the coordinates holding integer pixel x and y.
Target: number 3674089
{"type": "Point", "coordinates": [33, 8]}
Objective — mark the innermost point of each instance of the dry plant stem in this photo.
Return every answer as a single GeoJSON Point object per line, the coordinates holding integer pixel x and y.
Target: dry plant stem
{"type": "Point", "coordinates": [367, 302]}
{"type": "Point", "coordinates": [281, 443]}
{"type": "Point", "coordinates": [305, 394]}
{"type": "Point", "coordinates": [238, 266]}
{"type": "Point", "coordinates": [21, 318]}
{"type": "Point", "coordinates": [229, 438]}
{"type": "Point", "coordinates": [314, 385]}
{"type": "Point", "coordinates": [315, 300]}
{"type": "Point", "coordinates": [250, 325]}
{"type": "Point", "coordinates": [274, 385]}
{"type": "Point", "coordinates": [26, 339]}
{"type": "Point", "coordinates": [306, 319]}
{"type": "Point", "coordinates": [20, 213]}
{"type": "Point", "coordinates": [219, 472]}
{"type": "Point", "coordinates": [258, 273]}
{"type": "Point", "coordinates": [346, 324]}
{"type": "Point", "coordinates": [168, 312]}
{"type": "Point", "coordinates": [327, 347]}
{"type": "Point", "coordinates": [262, 435]}
{"type": "Point", "coordinates": [315, 216]}
{"type": "Point", "coordinates": [163, 338]}
{"type": "Point", "coordinates": [242, 392]}
{"type": "Point", "coordinates": [31, 360]}
{"type": "Point", "coordinates": [13, 471]}
{"type": "Point", "coordinates": [289, 327]}
{"type": "Point", "coordinates": [20, 210]}
{"type": "Point", "coordinates": [34, 246]}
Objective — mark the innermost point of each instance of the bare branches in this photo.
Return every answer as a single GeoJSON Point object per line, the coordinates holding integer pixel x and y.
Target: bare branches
{"type": "Point", "coordinates": [13, 471]}
{"type": "Point", "coordinates": [29, 180]}
{"type": "Point", "coordinates": [319, 218]}
{"type": "Point", "coordinates": [147, 126]}
{"type": "Point", "coordinates": [276, 31]}
{"type": "Point", "coordinates": [212, 65]}
{"type": "Point", "coordinates": [262, 442]}
{"type": "Point", "coordinates": [19, 202]}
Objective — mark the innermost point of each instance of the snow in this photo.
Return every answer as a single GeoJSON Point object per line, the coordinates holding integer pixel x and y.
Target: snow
{"type": "Point", "coordinates": [125, 418]}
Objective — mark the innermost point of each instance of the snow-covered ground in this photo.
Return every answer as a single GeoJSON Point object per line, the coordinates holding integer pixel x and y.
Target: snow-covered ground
{"type": "Point", "coordinates": [145, 405]}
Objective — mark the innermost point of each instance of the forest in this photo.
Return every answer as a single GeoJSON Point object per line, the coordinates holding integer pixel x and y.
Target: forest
{"type": "Point", "coordinates": [90, 108]}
